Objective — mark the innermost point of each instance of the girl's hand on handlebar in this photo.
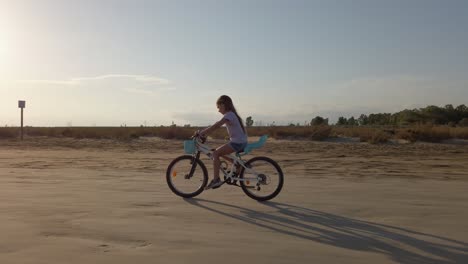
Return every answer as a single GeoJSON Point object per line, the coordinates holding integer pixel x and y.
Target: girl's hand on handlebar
{"type": "Point", "coordinates": [199, 134]}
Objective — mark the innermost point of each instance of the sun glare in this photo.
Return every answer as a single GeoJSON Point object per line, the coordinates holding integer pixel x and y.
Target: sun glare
{"type": "Point", "coordinates": [6, 37]}
{"type": "Point", "coordinates": [6, 51]}
{"type": "Point", "coordinates": [3, 42]}
{"type": "Point", "coordinates": [3, 47]}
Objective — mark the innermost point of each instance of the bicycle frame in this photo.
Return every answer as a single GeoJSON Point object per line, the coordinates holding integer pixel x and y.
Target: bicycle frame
{"type": "Point", "coordinates": [235, 157]}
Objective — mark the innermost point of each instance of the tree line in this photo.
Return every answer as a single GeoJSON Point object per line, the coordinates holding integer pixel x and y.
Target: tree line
{"type": "Point", "coordinates": [447, 115]}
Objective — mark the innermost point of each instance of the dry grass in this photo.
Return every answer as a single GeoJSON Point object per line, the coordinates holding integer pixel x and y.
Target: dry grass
{"type": "Point", "coordinates": [309, 132]}
{"type": "Point", "coordinates": [425, 133]}
{"type": "Point", "coordinates": [9, 132]}
{"type": "Point", "coordinates": [122, 133]}
{"type": "Point", "coordinates": [365, 134]}
{"type": "Point", "coordinates": [459, 132]}
{"type": "Point", "coordinates": [284, 132]}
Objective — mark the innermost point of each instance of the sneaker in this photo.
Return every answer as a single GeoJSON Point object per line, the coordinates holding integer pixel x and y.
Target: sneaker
{"type": "Point", "coordinates": [215, 183]}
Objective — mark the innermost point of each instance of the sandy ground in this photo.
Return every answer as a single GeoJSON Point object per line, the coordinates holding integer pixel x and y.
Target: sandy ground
{"type": "Point", "coordinates": [89, 201]}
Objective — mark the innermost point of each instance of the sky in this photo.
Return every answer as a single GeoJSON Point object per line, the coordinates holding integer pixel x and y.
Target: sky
{"type": "Point", "coordinates": [141, 62]}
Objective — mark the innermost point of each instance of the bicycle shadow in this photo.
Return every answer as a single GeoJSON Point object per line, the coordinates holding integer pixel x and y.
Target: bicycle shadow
{"type": "Point", "coordinates": [400, 244]}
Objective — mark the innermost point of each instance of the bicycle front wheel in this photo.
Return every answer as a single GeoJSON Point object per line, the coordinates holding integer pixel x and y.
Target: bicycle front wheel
{"type": "Point", "coordinates": [180, 179]}
{"type": "Point", "coordinates": [262, 180]}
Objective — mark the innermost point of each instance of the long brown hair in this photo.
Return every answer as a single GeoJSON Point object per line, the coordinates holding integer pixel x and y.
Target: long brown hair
{"type": "Point", "coordinates": [227, 102]}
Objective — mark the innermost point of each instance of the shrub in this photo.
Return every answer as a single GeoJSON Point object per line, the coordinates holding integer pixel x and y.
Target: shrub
{"type": "Point", "coordinates": [374, 136]}
{"type": "Point", "coordinates": [463, 122]}
{"type": "Point", "coordinates": [293, 132]}
{"type": "Point", "coordinates": [459, 132]}
{"type": "Point", "coordinates": [9, 132]}
{"type": "Point", "coordinates": [365, 133]}
{"type": "Point", "coordinates": [425, 133]}
{"type": "Point", "coordinates": [173, 132]}
{"type": "Point", "coordinates": [67, 132]}
{"type": "Point", "coordinates": [406, 134]}
{"type": "Point", "coordinates": [35, 131]}
{"type": "Point", "coordinates": [320, 132]}
{"type": "Point", "coordinates": [351, 131]}
{"type": "Point", "coordinates": [318, 121]}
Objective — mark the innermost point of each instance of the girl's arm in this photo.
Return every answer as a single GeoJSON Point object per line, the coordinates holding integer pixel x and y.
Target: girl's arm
{"type": "Point", "coordinates": [217, 125]}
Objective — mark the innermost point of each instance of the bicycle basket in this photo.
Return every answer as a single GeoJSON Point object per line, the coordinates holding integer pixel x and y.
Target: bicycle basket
{"type": "Point", "coordinates": [189, 146]}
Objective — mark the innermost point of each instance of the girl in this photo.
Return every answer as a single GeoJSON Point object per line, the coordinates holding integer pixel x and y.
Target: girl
{"type": "Point", "coordinates": [236, 131]}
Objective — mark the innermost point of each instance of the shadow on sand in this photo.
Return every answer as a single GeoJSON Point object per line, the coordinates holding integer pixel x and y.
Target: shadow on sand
{"type": "Point", "coordinates": [400, 244]}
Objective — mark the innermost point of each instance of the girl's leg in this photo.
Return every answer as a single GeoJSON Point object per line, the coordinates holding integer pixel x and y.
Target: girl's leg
{"type": "Point", "coordinates": [219, 152]}
{"type": "Point", "coordinates": [232, 161]}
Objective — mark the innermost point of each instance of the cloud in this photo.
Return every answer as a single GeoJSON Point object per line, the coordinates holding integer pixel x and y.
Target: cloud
{"type": "Point", "coordinates": [143, 79]}
{"type": "Point", "coordinates": [130, 83]}
{"type": "Point", "coordinates": [148, 79]}
{"type": "Point", "coordinates": [147, 91]}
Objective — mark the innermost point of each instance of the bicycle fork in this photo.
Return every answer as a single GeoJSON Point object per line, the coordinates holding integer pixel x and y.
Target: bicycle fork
{"type": "Point", "coordinates": [193, 162]}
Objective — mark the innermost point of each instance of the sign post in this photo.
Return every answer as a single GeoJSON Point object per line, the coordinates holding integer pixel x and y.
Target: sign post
{"type": "Point", "coordinates": [22, 105]}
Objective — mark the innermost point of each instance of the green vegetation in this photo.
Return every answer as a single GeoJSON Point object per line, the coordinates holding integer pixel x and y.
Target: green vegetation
{"type": "Point", "coordinates": [376, 134]}
{"type": "Point", "coordinates": [249, 121]}
{"type": "Point", "coordinates": [432, 114]}
{"type": "Point", "coordinates": [121, 133]}
{"type": "Point", "coordinates": [318, 121]}
{"type": "Point", "coordinates": [429, 124]}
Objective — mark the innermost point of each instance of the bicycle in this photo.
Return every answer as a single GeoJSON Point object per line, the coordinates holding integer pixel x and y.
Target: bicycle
{"type": "Point", "coordinates": [187, 175]}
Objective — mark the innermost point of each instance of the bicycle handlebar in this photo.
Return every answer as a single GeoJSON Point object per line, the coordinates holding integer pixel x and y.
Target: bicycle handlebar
{"type": "Point", "coordinates": [200, 136]}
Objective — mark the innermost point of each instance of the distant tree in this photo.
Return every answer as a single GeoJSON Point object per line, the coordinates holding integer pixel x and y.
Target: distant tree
{"type": "Point", "coordinates": [352, 121]}
{"type": "Point", "coordinates": [461, 112]}
{"type": "Point", "coordinates": [407, 116]}
{"type": "Point", "coordinates": [342, 121]}
{"type": "Point", "coordinates": [363, 120]}
{"type": "Point", "coordinates": [318, 120]}
{"type": "Point", "coordinates": [462, 108]}
{"type": "Point", "coordinates": [434, 114]}
{"type": "Point", "coordinates": [249, 121]}
{"type": "Point", "coordinates": [446, 115]}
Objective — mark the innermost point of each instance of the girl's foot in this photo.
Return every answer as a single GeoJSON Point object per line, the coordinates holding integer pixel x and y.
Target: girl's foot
{"type": "Point", "coordinates": [215, 183]}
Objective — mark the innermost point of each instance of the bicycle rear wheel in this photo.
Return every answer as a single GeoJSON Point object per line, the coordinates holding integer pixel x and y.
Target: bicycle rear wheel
{"type": "Point", "coordinates": [263, 180]}
{"type": "Point", "coordinates": [179, 179]}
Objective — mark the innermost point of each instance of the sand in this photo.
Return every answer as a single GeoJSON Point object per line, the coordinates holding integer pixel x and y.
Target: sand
{"type": "Point", "coordinates": [105, 201]}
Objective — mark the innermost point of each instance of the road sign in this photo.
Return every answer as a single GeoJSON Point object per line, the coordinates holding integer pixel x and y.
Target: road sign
{"type": "Point", "coordinates": [21, 104]}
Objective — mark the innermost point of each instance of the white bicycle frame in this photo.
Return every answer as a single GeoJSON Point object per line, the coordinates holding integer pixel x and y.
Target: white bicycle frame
{"type": "Point", "coordinates": [207, 150]}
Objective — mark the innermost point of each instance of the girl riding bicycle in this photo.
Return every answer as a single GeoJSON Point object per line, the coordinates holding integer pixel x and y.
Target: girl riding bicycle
{"type": "Point", "coordinates": [237, 135]}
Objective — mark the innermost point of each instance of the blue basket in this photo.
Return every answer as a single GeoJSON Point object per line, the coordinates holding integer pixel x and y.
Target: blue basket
{"type": "Point", "coordinates": [189, 146]}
